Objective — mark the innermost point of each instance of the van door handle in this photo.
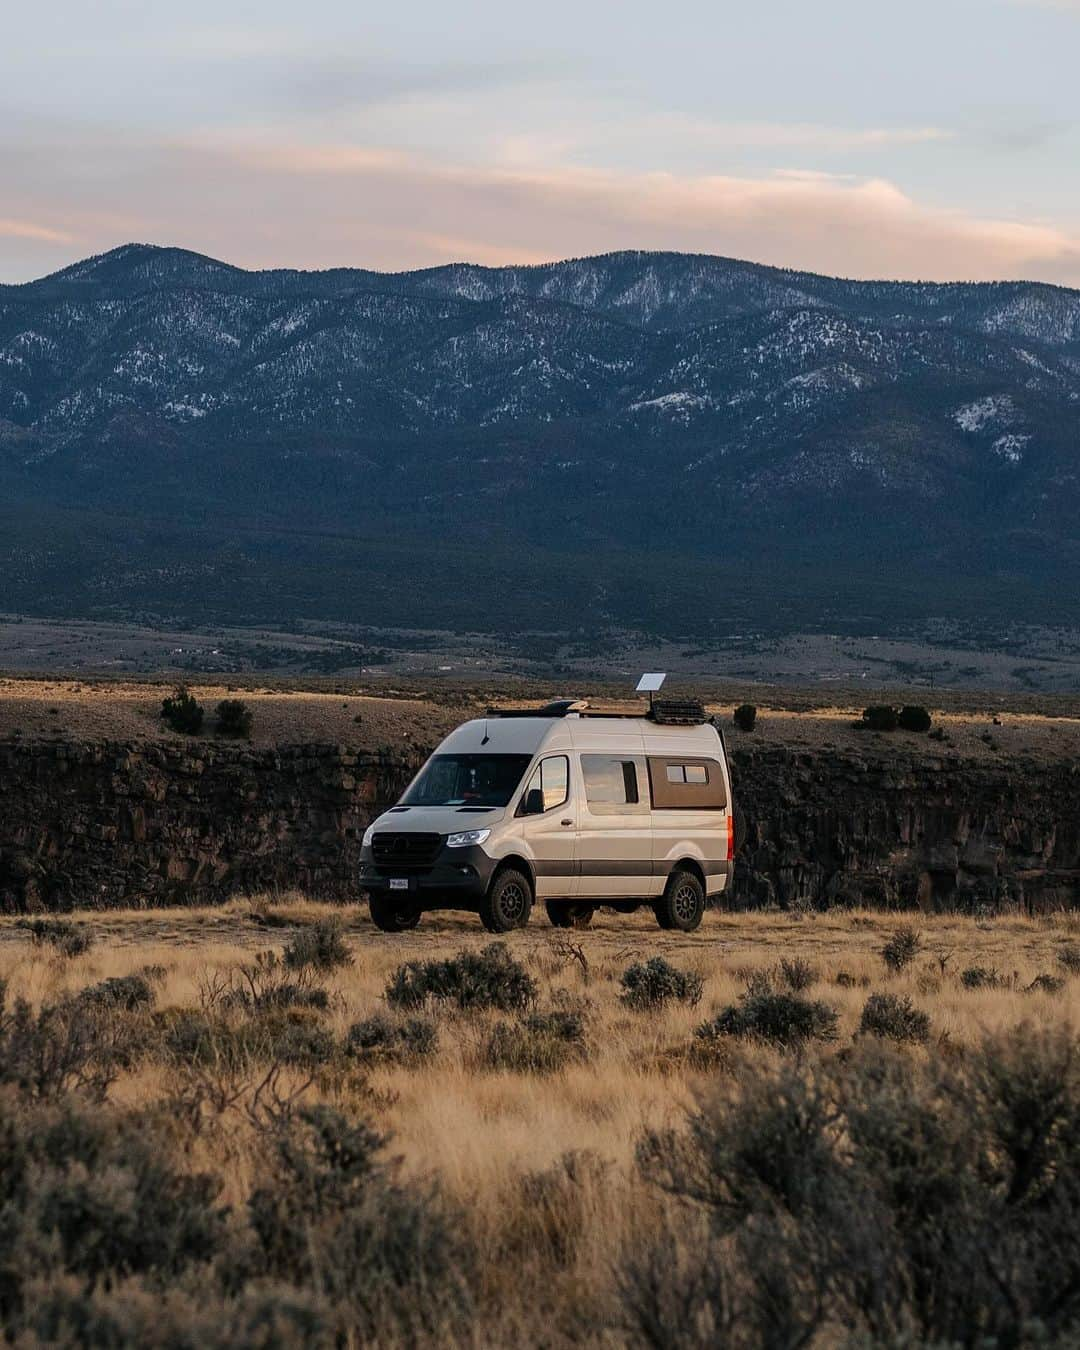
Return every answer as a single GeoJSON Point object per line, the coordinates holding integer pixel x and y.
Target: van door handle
{"type": "Point", "coordinates": [566, 821]}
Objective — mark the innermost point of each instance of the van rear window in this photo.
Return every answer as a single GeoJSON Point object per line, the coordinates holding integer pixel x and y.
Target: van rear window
{"type": "Point", "coordinates": [686, 784]}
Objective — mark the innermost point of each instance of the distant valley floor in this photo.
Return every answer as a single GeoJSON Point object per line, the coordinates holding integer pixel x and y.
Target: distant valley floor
{"type": "Point", "coordinates": [944, 658]}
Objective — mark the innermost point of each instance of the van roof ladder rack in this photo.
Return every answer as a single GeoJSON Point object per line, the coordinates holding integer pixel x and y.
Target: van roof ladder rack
{"type": "Point", "coordinates": [677, 712]}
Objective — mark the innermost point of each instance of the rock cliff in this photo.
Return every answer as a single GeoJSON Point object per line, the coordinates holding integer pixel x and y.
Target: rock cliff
{"type": "Point", "coordinates": [99, 824]}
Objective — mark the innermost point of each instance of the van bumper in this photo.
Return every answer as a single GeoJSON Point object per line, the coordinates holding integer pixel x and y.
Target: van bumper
{"type": "Point", "coordinates": [458, 876]}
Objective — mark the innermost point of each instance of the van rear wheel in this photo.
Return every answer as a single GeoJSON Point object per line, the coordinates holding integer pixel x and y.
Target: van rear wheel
{"type": "Point", "coordinates": [393, 916]}
{"type": "Point", "coordinates": [682, 905]}
{"type": "Point", "coordinates": [569, 915]}
{"type": "Point", "coordinates": [508, 902]}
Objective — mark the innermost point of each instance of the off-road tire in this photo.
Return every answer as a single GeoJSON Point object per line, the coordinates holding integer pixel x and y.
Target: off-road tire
{"type": "Point", "coordinates": [508, 902]}
{"type": "Point", "coordinates": [682, 905]}
{"type": "Point", "coordinates": [393, 916]}
{"type": "Point", "coordinates": [568, 914]}
{"type": "Point", "coordinates": [740, 828]}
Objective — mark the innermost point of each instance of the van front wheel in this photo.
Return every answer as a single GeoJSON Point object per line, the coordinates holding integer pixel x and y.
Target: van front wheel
{"type": "Point", "coordinates": [507, 904]}
{"type": "Point", "coordinates": [682, 905]}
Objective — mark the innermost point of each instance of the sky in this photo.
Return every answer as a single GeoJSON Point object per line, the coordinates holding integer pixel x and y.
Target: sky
{"type": "Point", "coordinates": [934, 139]}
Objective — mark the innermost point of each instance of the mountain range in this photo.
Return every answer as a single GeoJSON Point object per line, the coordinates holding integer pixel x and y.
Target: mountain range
{"type": "Point", "coordinates": [678, 444]}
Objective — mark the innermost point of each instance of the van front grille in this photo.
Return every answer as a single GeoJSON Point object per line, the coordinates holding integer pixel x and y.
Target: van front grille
{"type": "Point", "coordinates": [405, 849]}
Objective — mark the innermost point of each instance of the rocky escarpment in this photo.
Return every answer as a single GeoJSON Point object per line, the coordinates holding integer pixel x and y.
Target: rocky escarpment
{"type": "Point", "coordinates": [100, 824]}
{"type": "Point", "coordinates": [899, 827]}
{"type": "Point", "coordinates": [94, 824]}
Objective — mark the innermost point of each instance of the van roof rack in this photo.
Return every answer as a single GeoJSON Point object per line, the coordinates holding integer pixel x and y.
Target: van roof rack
{"type": "Point", "coordinates": [559, 708]}
{"type": "Point", "coordinates": [677, 712]}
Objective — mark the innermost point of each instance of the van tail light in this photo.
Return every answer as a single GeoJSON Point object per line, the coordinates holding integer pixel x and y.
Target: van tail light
{"type": "Point", "coordinates": [730, 837]}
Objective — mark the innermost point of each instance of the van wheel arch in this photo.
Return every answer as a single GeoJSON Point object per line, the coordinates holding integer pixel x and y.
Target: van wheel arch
{"type": "Point", "coordinates": [691, 865]}
{"type": "Point", "coordinates": [516, 863]}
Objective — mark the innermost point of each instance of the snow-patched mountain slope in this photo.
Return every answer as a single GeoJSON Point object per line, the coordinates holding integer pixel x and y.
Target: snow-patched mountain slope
{"type": "Point", "coordinates": [704, 398]}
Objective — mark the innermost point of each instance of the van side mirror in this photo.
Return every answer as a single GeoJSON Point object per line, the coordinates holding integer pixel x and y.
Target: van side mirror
{"type": "Point", "coordinates": [534, 802]}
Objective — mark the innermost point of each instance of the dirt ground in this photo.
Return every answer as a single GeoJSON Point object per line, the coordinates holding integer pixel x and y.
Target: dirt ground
{"type": "Point", "coordinates": [119, 710]}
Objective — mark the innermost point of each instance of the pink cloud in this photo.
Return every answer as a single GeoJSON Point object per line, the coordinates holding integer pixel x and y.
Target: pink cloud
{"type": "Point", "coordinates": [261, 204]}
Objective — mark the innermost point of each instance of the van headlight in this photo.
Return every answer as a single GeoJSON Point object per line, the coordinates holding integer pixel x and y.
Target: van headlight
{"type": "Point", "coordinates": [369, 835]}
{"type": "Point", "coordinates": [466, 837]}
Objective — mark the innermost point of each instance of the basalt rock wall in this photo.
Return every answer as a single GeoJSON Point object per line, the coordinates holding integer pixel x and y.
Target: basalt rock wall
{"type": "Point", "coordinates": [891, 826]}
{"type": "Point", "coordinates": [95, 824]}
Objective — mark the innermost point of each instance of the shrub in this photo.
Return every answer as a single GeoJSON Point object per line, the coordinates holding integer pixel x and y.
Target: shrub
{"type": "Point", "coordinates": [381, 1038]}
{"type": "Point", "coordinates": [388, 1259]}
{"type": "Point", "coordinates": [182, 712]}
{"type": "Point", "coordinates": [880, 717]}
{"type": "Point", "coordinates": [796, 974]}
{"type": "Point", "coordinates": [490, 978]}
{"type": "Point", "coordinates": [1045, 984]}
{"type": "Point", "coordinates": [64, 1047]}
{"type": "Point", "coordinates": [744, 716]}
{"type": "Point", "coordinates": [269, 983]}
{"type": "Point", "coordinates": [894, 1018]}
{"type": "Point", "coordinates": [649, 984]}
{"type": "Point", "coordinates": [1069, 958]}
{"type": "Point", "coordinates": [127, 992]}
{"type": "Point", "coordinates": [234, 718]}
{"type": "Point", "coordinates": [782, 1018]}
{"type": "Point", "coordinates": [321, 947]}
{"type": "Point", "coordinates": [901, 949]}
{"type": "Point", "coordinates": [94, 1195]}
{"type": "Point", "coordinates": [980, 977]}
{"type": "Point", "coordinates": [913, 717]}
{"type": "Point", "coordinates": [70, 939]}
{"type": "Point", "coordinates": [542, 1043]}
{"type": "Point", "coordinates": [873, 1193]}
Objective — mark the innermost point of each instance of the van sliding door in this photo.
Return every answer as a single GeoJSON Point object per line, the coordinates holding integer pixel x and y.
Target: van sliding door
{"type": "Point", "coordinates": [614, 833]}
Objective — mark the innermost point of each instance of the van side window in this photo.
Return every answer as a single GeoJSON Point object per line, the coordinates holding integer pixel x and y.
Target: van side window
{"type": "Point", "coordinates": [608, 781]}
{"type": "Point", "coordinates": [552, 778]}
{"type": "Point", "coordinates": [686, 785]}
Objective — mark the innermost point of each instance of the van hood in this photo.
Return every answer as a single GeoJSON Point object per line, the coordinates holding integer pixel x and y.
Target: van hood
{"type": "Point", "coordinates": [438, 819]}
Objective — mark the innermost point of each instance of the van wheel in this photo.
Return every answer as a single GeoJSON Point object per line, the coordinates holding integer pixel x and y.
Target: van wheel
{"type": "Point", "coordinates": [507, 904]}
{"type": "Point", "coordinates": [563, 915]}
{"type": "Point", "coordinates": [740, 829]}
{"type": "Point", "coordinates": [682, 905]}
{"type": "Point", "coordinates": [391, 915]}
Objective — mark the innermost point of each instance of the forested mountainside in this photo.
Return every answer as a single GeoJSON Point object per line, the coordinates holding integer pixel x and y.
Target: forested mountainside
{"type": "Point", "coordinates": [658, 440]}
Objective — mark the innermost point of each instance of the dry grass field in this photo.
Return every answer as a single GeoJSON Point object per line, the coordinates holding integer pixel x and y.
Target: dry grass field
{"type": "Point", "coordinates": [220, 1147]}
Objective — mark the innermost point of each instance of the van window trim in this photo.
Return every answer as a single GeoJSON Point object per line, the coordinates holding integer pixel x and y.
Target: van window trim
{"type": "Point", "coordinates": [530, 774]}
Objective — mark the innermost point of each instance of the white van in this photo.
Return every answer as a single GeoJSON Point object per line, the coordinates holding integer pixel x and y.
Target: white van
{"type": "Point", "coordinates": [560, 804]}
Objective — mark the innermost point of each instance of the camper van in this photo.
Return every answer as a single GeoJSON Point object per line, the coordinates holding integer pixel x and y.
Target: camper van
{"type": "Point", "coordinates": [563, 805]}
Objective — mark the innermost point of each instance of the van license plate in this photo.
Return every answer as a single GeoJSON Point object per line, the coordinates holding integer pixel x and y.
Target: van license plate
{"type": "Point", "coordinates": [399, 883]}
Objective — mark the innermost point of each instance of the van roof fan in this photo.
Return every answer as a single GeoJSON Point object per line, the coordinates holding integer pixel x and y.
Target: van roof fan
{"type": "Point", "coordinates": [677, 712]}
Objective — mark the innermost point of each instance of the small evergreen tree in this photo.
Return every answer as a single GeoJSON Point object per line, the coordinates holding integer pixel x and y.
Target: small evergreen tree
{"type": "Point", "coordinates": [914, 717]}
{"type": "Point", "coordinates": [744, 716]}
{"type": "Point", "coordinates": [182, 712]}
{"type": "Point", "coordinates": [234, 718]}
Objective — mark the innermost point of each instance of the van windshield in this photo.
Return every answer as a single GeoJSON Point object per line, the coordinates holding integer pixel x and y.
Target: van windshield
{"type": "Point", "coordinates": [467, 780]}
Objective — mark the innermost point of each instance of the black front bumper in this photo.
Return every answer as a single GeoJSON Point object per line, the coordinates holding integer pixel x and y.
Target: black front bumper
{"type": "Point", "coordinates": [458, 877]}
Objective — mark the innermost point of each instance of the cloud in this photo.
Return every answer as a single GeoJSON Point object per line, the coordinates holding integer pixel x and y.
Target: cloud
{"type": "Point", "coordinates": [26, 229]}
{"type": "Point", "coordinates": [259, 204]}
